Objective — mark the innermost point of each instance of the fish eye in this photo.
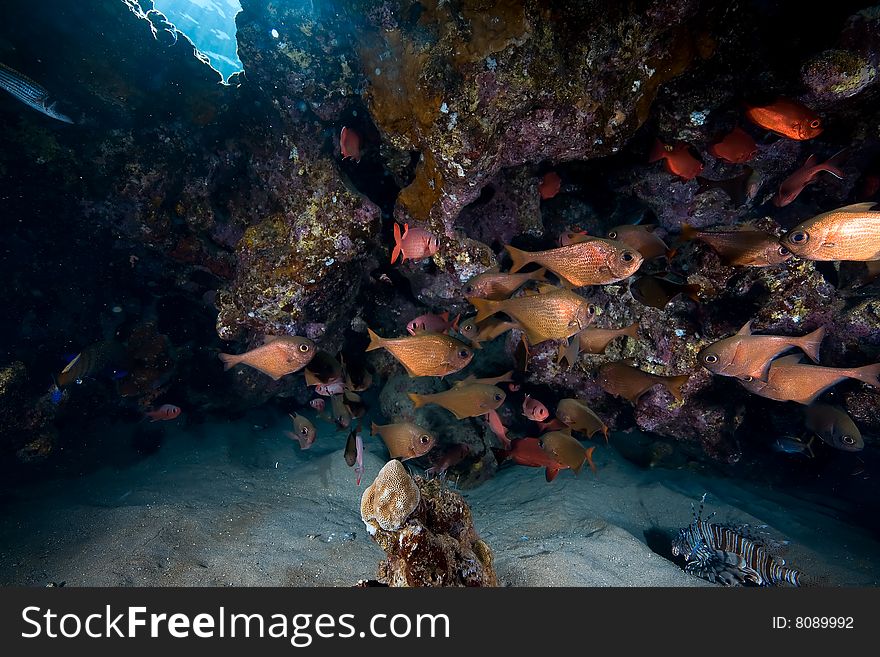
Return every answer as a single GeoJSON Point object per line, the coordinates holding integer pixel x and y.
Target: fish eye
{"type": "Point", "coordinates": [591, 309]}
{"type": "Point", "coordinates": [815, 123]}
{"type": "Point", "coordinates": [303, 347]}
{"type": "Point", "coordinates": [304, 431]}
{"type": "Point", "coordinates": [748, 379]}
{"type": "Point", "coordinates": [627, 256]}
{"type": "Point", "coordinates": [498, 396]}
{"type": "Point", "coordinates": [848, 440]}
{"type": "Point", "coordinates": [468, 289]}
{"type": "Point", "coordinates": [710, 358]}
{"type": "Point", "coordinates": [424, 439]}
{"type": "Point", "coordinates": [783, 251]}
{"type": "Point", "coordinates": [800, 237]}
{"type": "Point", "coordinates": [464, 353]}
{"type": "Point", "coordinates": [612, 235]}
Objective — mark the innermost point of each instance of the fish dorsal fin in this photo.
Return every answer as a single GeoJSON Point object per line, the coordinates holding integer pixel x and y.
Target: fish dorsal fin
{"type": "Point", "coordinates": [793, 359]}
{"type": "Point", "coordinates": [270, 338]}
{"type": "Point", "coordinates": [857, 207]}
{"type": "Point", "coordinates": [747, 329]}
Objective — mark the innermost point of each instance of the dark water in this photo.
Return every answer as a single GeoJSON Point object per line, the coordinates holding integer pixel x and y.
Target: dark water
{"type": "Point", "coordinates": [161, 212]}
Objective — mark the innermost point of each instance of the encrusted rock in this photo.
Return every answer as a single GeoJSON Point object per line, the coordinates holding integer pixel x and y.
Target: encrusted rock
{"type": "Point", "coordinates": [390, 499]}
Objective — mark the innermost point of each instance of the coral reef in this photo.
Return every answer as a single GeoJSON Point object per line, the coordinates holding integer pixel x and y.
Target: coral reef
{"type": "Point", "coordinates": [427, 532]}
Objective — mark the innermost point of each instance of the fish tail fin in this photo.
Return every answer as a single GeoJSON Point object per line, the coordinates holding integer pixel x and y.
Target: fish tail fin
{"type": "Point", "coordinates": [376, 342]}
{"type": "Point", "coordinates": [632, 331]}
{"type": "Point", "coordinates": [417, 400]}
{"type": "Point", "coordinates": [520, 258]}
{"type": "Point", "coordinates": [589, 453]}
{"type": "Point", "coordinates": [398, 243]}
{"type": "Point", "coordinates": [229, 360]}
{"type": "Point", "coordinates": [658, 151]}
{"type": "Point", "coordinates": [569, 352]}
{"type": "Point", "coordinates": [539, 274]}
{"type": "Point", "coordinates": [485, 307]}
{"type": "Point", "coordinates": [869, 374]}
{"type": "Point", "coordinates": [605, 432]}
{"type": "Point", "coordinates": [688, 232]}
{"type": "Point", "coordinates": [674, 384]}
{"type": "Point", "coordinates": [810, 343]}
{"type": "Point", "coordinates": [500, 454]}
{"type": "Point", "coordinates": [551, 472]}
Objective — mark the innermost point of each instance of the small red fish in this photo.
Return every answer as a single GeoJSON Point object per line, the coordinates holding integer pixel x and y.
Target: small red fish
{"type": "Point", "coordinates": [573, 236]}
{"type": "Point", "coordinates": [431, 323]}
{"type": "Point", "coordinates": [737, 147]}
{"type": "Point", "coordinates": [535, 410]}
{"type": "Point", "coordinates": [350, 144]}
{"type": "Point", "coordinates": [806, 175]}
{"type": "Point", "coordinates": [678, 159]}
{"type": "Point", "coordinates": [549, 185]}
{"type": "Point", "coordinates": [498, 428]}
{"type": "Point", "coordinates": [414, 244]}
{"type": "Point", "coordinates": [788, 118]}
{"type": "Point", "coordinates": [528, 452]}
{"type": "Point", "coordinates": [318, 404]}
{"type": "Point", "coordinates": [330, 389]}
{"type": "Point", "coordinates": [513, 387]}
{"type": "Point", "coordinates": [164, 412]}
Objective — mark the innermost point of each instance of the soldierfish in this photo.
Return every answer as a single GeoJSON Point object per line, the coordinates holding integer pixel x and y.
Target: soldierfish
{"type": "Point", "coordinates": [789, 380]}
{"type": "Point", "coordinates": [498, 428]}
{"type": "Point", "coordinates": [303, 431]}
{"type": "Point", "coordinates": [496, 285]}
{"type": "Point", "coordinates": [850, 233]}
{"type": "Point", "coordinates": [552, 314]}
{"type": "Point", "coordinates": [642, 238]}
{"type": "Point", "coordinates": [534, 410]}
{"type": "Point", "coordinates": [413, 244]}
{"type": "Point", "coordinates": [404, 440]}
{"type": "Point", "coordinates": [466, 400]}
{"type": "Point", "coordinates": [579, 417]}
{"type": "Point", "coordinates": [549, 185]}
{"type": "Point", "coordinates": [431, 323]}
{"type": "Point", "coordinates": [746, 355]}
{"type": "Point", "coordinates": [318, 404]}
{"type": "Point", "coordinates": [425, 354]}
{"type": "Point", "coordinates": [788, 118]}
{"type": "Point", "coordinates": [737, 147]}
{"type": "Point", "coordinates": [452, 456]}
{"type": "Point", "coordinates": [164, 412]}
{"type": "Point", "coordinates": [792, 186]}
{"type": "Point", "coordinates": [624, 380]}
{"type": "Point", "coordinates": [563, 447]}
{"type": "Point", "coordinates": [593, 262]}
{"type": "Point", "coordinates": [278, 356]}
{"type": "Point", "coordinates": [528, 452]}
{"type": "Point", "coordinates": [573, 236]}
{"type": "Point", "coordinates": [350, 144]}
{"type": "Point", "coordinates": [741, 246]}
{"type": "Point", "coordinates": [834, 427]}
{"type": "Point", "coordinates": [330, 389]}
{"type": "Point", "coordinates": [678, 159]}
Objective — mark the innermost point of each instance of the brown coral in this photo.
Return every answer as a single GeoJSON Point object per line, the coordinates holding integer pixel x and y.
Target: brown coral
{"type": "Point", "coordinates": [390, 499]}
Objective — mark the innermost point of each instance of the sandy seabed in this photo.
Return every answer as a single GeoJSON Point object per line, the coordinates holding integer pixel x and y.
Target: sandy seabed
{"type": "Point", "coordinates": [231, 504]}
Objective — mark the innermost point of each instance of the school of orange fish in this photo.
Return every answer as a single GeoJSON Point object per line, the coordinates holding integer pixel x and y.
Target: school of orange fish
{"type": "Point", "coordinates": [545, 308]}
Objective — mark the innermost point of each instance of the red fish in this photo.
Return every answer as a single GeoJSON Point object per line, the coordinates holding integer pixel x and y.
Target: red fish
{"type": "Point", "coordinates": [498, 428]}
{"type": "Point", "coordinates": [431, 323]}
{"type": "Point", "coordinates": [573, 236]}
{"type": "Point", "coordinates": [534, 410]}
{"type": "Point", "coordinates": [549, 185]}
{"type": "Point", "coordinates": [350, 144]}
{"type": "Point", "coordinates": [513, 387]}
{"type": "Point", "coordinates": [164, 412]}
{"type": "Point", "coordinates": [318, 404]}
{"type": "Point", "coordinates": [678, 159]}
{"type": "Point", "coordinates": [528, 452]}
{"type": "Point", "coordinates": [329, 389]}
{"type": "Point", "coordinates": [788, 118]}
{"type": "Point", "coordinates": [806, 175]}
{"type": "Point", "coordinates": [414, 244]}
{"type": "Point", "coordinates": [737, 147]}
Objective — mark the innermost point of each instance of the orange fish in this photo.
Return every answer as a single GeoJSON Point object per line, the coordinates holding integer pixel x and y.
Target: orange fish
{"type": "Point", "coordinates": [745, 355]}
{"type": "Point", "coordinates": [414, 244]}
{"type": "Point", "coordinates": [498, 428]}
{"type": "Point", "coordinates": [594, 341]}
{"type": "Point", "coordinates": [740, 245]}
{"type": "Point", "coordinates": [553, 314]}
{"type": "Point", "coordinates": [485, 331]}
{"type": "Point", "coordinates": [563, 447]}
{"type": "Point", "coordinates": [164, 412]}
{"type": "Point", "coordinates": [579, 417]}
{"type": "Point", "coordinates": [593, 262]}
{"type": "Point", "coordinates": [549, 185]}
{"type": "Point", "coordinates": [350, 144]}
{"type": "Point", "coordinates": [303, 431]}
{"type": "Point", "coordinates": [463, 401]}
{"type": "Point", "coordinates": [642, 239]}
{"type": "Point", "coordinates": [489, 380]}
{"type": "Point", "coordinates": [496, 285]}
{"type": "Point", "coordinates": [623, 380]}
{"type": "Point", "coordinates": [404, 440]}
{"type": "Point", "coordinates": [678, 159]}
{"type": "Point", "coordinates": [279, 355]}
{"type": "Point", "coordinates": [737, 147]}
{"type": "Point", "coordinates": [789, 380]}
{"type": "Point", "coordinates": [850, 233]}
{"type": "Point", "coordinates": [788, 118]}
{"type": "Point", "coordinates": [528, 452]}
{"type": "Point", "coordinates": [792, 186]}
{"type": "Point", "coordinates": [425, 354]}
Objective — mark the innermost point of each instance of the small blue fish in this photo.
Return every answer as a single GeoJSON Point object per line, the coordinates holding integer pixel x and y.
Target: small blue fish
{"type": "Point", "coordinates": [792, 446]}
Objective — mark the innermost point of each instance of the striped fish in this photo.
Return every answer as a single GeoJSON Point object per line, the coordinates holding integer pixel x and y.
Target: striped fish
{"type": "Point", "coordinates": [730, 555]}
{"type": "Point", "coordinates": [29, 92]}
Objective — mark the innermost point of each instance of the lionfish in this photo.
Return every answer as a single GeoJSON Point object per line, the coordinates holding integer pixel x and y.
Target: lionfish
{"type": "Point", "coordinates": [731, 555]}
